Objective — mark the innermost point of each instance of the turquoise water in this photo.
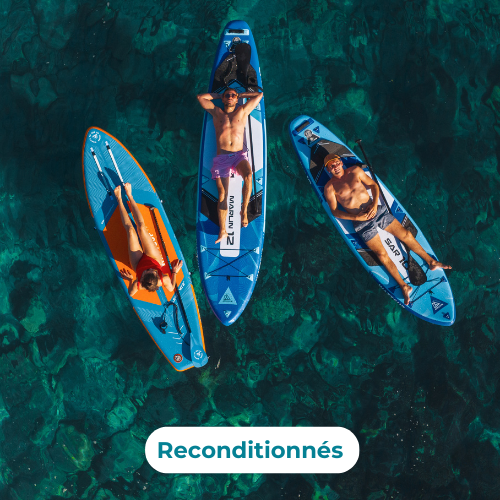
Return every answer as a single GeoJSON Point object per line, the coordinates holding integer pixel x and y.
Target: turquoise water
{"type": "Point", "coordinates": [82, 385]}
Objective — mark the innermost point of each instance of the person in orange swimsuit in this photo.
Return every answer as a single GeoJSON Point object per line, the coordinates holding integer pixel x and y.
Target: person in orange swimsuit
{"type": "Point", "coordinates": [145, 260]}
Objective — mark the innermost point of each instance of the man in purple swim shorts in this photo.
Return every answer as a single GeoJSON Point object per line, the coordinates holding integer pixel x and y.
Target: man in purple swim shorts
{"type": "Point", "coordinates": [224, 165]}
{"type": "Point", "coordinates": [229, 126]}
{"type": "Point", "coordinates": [348, 187]}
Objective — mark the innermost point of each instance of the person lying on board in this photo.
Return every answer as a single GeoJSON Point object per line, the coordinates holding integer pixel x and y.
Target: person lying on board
{"type": "Point", "coordinates": [349, 188]}
{"type": "Point", "coordinates": [229, 126]}
{"type": "Point", "coordinates": [145, 260]}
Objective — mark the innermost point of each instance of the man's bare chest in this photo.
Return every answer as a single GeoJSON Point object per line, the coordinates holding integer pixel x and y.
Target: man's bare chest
{"type": "Point", "coordinates": [348, 187]}
{"type": "Point", "coordinates": [227, 121]}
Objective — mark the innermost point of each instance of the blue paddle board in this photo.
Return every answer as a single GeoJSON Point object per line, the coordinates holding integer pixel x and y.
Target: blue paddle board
{"type": "Point", "coordinates": [432, 301]}
{"type": "Point", "coordinates": [171, 318]}
{"type": "Point", "coordinates": [229, 270]}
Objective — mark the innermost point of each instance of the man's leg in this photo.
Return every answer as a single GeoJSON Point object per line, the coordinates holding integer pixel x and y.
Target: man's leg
{"type": "Point", "coordinates": [134, 247]}
{"type": "Point", "coordinates": [245, 170]}
{"type": "Point", "coordinates": [148, 245]}
{"type": "Point", "coordinates": [222, 188]}
{"type": "Point", "coordinates": [376, 245]}
{"type": "Point", "coordinates": [405, 236]}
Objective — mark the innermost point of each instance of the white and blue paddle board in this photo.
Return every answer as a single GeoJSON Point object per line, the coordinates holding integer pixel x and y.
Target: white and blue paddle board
{"type": "Point", "coordinates": [432, 301]}
{"type": "Point", "coordinates": [229, 270]}
{"type": "Point", "coordinates": [171, 318]}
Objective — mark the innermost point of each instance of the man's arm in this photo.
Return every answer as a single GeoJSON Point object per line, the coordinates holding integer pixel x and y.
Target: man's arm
{"type": "Point", "coordinates": [206, 101]}
{"type": "Point", "coordinates": [369, 183]}
{"type": "Point", "coordinates": [253, 100]}
{"type": "Point", "coordinates": [331, 199]}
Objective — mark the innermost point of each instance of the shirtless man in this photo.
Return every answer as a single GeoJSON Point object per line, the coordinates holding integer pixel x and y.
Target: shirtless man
{"type": "Point", "coordinates": [348, 187]}
{"type": "Point", "coordinates": [229, 126]}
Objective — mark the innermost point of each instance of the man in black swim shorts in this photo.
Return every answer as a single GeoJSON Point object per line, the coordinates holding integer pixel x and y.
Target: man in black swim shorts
{"type": "Point", "coordinates": [349, 188]}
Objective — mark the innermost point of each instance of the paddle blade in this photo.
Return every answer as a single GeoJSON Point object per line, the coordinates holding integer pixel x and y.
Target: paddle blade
{"type": "Point", "coordinates": [243, 52]}
{"type": "Point", "coordinates": [415, 273]}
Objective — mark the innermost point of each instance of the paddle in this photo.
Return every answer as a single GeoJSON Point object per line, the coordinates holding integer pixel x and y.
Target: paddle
{"type": "Point", "coordinates": [104, 181]}
{"type": "Point", "coordinates": [198, 355]}
{"type": "Point", "coordinates": [177, 294]}
{"type": "Point", "coordinates": [256, 210]}
{"type": "Point", "coordinates": [243, 53]}
{"type": "Point", "coordinates": [415, 273]}
{"type": "Point", "coordinates": [108, 147]}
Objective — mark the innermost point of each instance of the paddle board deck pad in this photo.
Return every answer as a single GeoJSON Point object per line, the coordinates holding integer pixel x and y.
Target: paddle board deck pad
{"type": "Point", "coordinates": [171, 318]}
{"type": "Point", "coordinates": [432, 301]}
{"type": "Point", "coordinates": [229, 270]}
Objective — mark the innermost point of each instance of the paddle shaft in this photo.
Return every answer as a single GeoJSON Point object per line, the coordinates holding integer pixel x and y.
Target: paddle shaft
{"type": "Point", "coordinates": [253, 164]}
{"type": "Point", "coordinates": [108, 147]}
{"type": "Point", "coordinates": [100, 171]}
{"type": "Point", "coordinates": [179, 300]}
{"type": "Point", "coordinates": [112, 156]}
{"type": "Point", "coordinates": [243, 52]}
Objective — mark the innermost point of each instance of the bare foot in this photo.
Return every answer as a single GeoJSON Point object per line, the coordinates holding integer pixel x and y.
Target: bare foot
{"type": "Point", "coordinates": [222, 235]}
{"type": "Point", "coordinates": [244, 218]}
{"type": "Point", "coordinates": [434, 264]}
{"type": "Point", "coordinates": [128, 189]}
{"type": "Point", "coordinates": [407, 289]}
{"type": "Point", "coordinates": [118, 192]}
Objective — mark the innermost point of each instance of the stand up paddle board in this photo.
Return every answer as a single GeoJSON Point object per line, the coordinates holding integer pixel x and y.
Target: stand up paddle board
{"type": "Point", "coordinates": [229, 270]}
{"type": "Point", "coordinates": [433, 300]}
{"type": "Point", "coordinates": [171, 318]}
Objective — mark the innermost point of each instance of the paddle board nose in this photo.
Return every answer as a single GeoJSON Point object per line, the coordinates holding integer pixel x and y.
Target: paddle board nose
{"type": "Point", "coordinates": [232, 27]}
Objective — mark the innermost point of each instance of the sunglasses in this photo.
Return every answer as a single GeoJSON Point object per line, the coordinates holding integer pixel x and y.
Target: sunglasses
{"type": "Point", "coordinates": [334, 161]}
{"type": "Point", "coordinates": [230, 95]}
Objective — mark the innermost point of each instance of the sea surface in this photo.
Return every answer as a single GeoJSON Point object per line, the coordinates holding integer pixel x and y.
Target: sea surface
{"type": "Point", "coordinates": [82, 385]}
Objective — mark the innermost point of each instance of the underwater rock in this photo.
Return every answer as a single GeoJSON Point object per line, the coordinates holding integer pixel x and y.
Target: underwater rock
{"type": "Point", "coordinates": [76, 378]}
{"type": "Point", "coordinates": [303, 337]}
{"type": "Point", "coordinates": [104, 494]}
{"type": "Point", "coordinates": [35, 91]}
{"type": "Point", "coordinates": [234, 400]}
{"type": "Point", "coordinates": [124, 456]}
{"type": "Point", "coordinates": [35, 317]}
{"type": "Point", "coordinates": [55, 22]}
{"type": "Point", "coordinates": [272, 309]}
{"type": "Point", "coordinates": [72, 450]}
{"type": "Point", "coordinates": [354, 114]}
{"type": "Point", "coordinates": [52, 352]}
{"type": "Point", "coordinates": [161, 409]}
{"type": "Point", "coordinates": [151, 36]}
{"type": "Point", "coordinates": [122, 415]}
{"type": "Point", "coordinates": [330, 366]}
{"type": "Point", "coordinates": [278, 401]}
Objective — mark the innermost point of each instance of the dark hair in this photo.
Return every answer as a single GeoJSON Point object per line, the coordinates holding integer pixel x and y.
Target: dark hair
{"type": "Point", "coordinates": [149, 280]}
